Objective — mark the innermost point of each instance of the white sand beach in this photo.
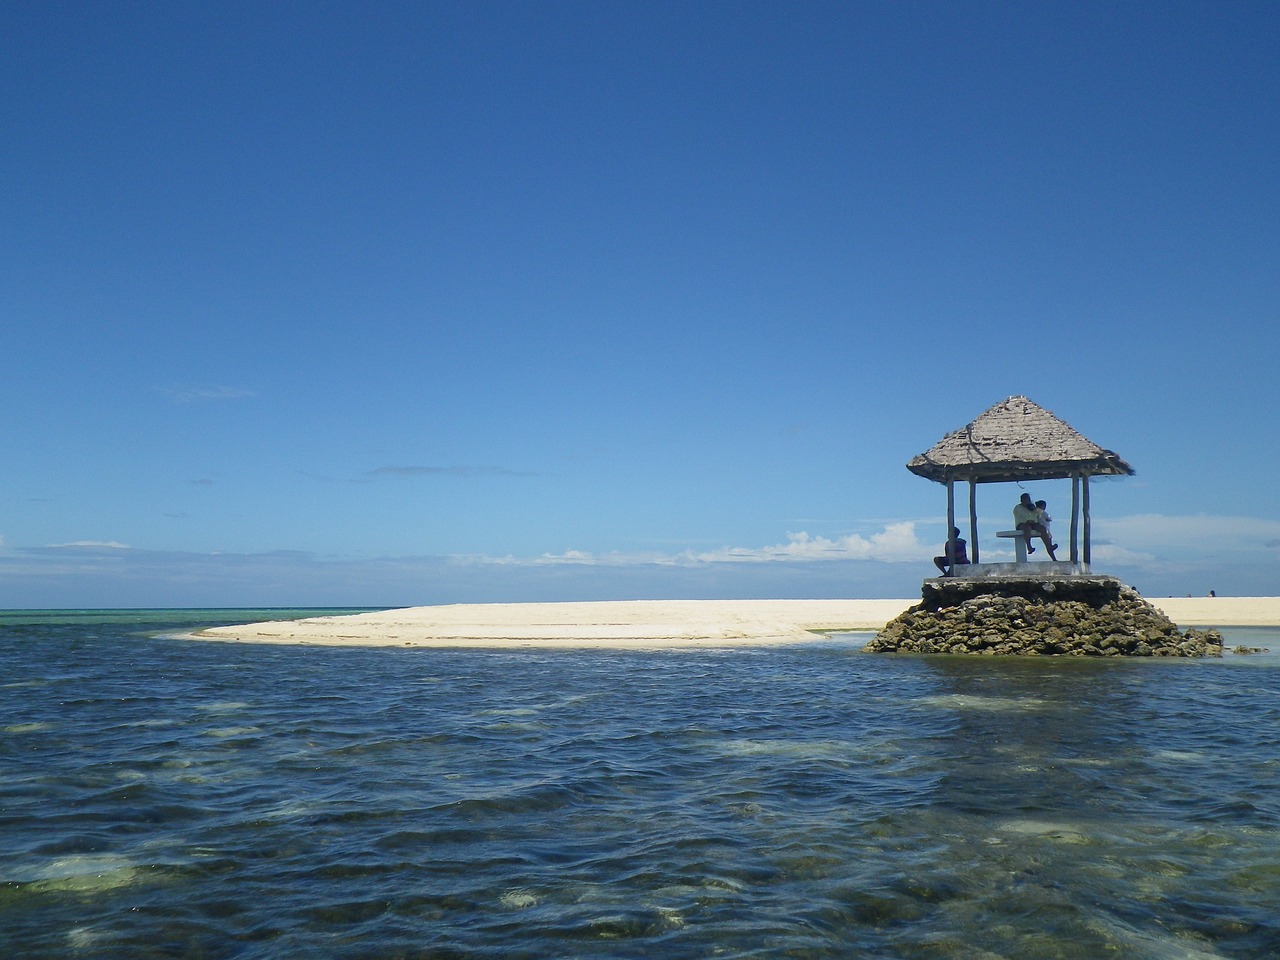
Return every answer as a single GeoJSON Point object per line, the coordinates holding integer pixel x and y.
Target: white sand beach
{"type": "Point", "coordinates": [653, 624]}
{"type": "Point", "coordinates": [1220, 611]}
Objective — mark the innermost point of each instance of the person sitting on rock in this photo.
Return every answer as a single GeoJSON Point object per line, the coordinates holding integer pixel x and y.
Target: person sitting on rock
{"type": "Point", "coordinates": [954, 552]}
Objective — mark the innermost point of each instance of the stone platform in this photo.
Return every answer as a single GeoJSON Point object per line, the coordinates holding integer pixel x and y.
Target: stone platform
{"type": "Point", "coordinates": [1094, 589]}
{"type": "Point", "coordinates": [1026, 568]}
{"type": "Point", "coordinates": [1029, 615]}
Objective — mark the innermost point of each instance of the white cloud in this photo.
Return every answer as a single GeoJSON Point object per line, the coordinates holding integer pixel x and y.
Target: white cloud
{"type": "Point", "coordinates": [1177, 535]}
{"type": "Point", "coordinates": [895, 543]}
{"type": "Point", "coordinates": [1147, 541]}
{"type": "Point", "coordinates": [568, 558]}
{"type": "Point", "coordinates": [572, 556]}
{"type": "Point", "coordinates": [90, 545]}
{"type": "Point", "coordinates": [1110, 553]}
{"type": "Point", "coordinates": [1159, 554]}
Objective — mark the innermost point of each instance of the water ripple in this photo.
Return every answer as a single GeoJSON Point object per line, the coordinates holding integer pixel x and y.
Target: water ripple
{"type": "Point", "coordinates": [167, 799]}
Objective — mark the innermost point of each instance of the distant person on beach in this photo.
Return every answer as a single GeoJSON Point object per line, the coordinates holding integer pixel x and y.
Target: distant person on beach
{"type": "Point", "coordinates": [954, 552]}
{"type": "Point", "coordinates": [1026, 517]}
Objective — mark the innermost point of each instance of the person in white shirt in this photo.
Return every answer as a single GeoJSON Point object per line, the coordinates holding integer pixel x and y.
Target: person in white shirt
{"type": "Point", "coordinates": [1026, 517]}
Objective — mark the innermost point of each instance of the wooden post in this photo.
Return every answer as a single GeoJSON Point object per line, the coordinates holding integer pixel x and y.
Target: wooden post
{"type": "Point", "coordinates": [1075, 519]}
{"type": "Point", "coordinates": [973, 521]}
{"type": "Point", "coordinates": [951, 521]}
{"type": "Point", "coordinates": [1087, 524]}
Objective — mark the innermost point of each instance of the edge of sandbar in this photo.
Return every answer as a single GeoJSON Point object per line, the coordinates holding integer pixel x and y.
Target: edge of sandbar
{"type": "Point", "coordinates": [652, 624]}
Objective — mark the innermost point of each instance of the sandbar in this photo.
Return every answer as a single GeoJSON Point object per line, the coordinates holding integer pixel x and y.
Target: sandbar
{"type": "Point", "coordinates": [653, 624]}
{"type": "Point", "coordinates": [621, 624]}
{"type": "Point", "coordinates": [1220, 611]}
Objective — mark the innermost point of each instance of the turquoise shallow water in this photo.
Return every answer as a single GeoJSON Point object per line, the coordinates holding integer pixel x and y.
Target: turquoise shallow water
{"type": "Point", "coordinates": [169, 798]}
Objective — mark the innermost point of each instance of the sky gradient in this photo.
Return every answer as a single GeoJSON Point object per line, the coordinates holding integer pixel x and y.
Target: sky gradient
{"type": "Point", "coordinates": [400, 303]}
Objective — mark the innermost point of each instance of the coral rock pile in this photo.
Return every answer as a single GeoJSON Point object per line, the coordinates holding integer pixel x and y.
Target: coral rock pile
{"type": "Point", "coordinates": [996, 623]}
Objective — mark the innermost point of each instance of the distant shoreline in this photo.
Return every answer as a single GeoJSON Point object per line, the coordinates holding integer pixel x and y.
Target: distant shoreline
{"type": "Point", "coordinates": [653, 624]}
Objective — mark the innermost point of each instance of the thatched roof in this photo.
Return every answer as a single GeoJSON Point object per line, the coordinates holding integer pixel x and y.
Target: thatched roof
{"type": "Point", "coordinates": [1015, 440]}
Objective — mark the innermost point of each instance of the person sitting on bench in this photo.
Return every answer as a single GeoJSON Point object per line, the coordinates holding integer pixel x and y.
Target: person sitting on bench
{"type": "Point", "coordinates": [1026, 517]}
{"type": "Point", "coordinates": [955, 552]}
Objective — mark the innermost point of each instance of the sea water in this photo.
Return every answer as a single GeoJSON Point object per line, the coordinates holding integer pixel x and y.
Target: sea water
{"type": "Point", "coordinates": [162, 797]}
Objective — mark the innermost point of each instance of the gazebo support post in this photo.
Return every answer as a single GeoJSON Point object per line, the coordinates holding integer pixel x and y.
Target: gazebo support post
{"type": "Point", "coordinates": [973, 521]}
{"type": "Point", "coordinates": [1075, 518]}
{"type": "Point", "coordinates": [951, 522]}
{"type": "Point", "coordinates": [1087, 524]}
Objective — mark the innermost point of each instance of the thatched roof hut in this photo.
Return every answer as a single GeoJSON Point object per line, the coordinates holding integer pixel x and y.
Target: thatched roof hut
{"type": "Point", "coordinates": [1019, 440]}
{"type": "Point", "coordinates": [1016, 440]}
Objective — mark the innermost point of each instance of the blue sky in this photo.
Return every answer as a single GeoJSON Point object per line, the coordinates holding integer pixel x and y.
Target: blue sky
{"type": "Point", "coordinates": [399, 303]}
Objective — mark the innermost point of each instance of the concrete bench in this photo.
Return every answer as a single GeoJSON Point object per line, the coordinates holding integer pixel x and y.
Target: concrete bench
{"type": "Point", "coordinates": [1019, 543]}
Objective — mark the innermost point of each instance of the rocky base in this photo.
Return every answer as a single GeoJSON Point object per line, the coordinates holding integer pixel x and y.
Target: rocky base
{"type": "Point", "coordinates": [1112, 623]}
